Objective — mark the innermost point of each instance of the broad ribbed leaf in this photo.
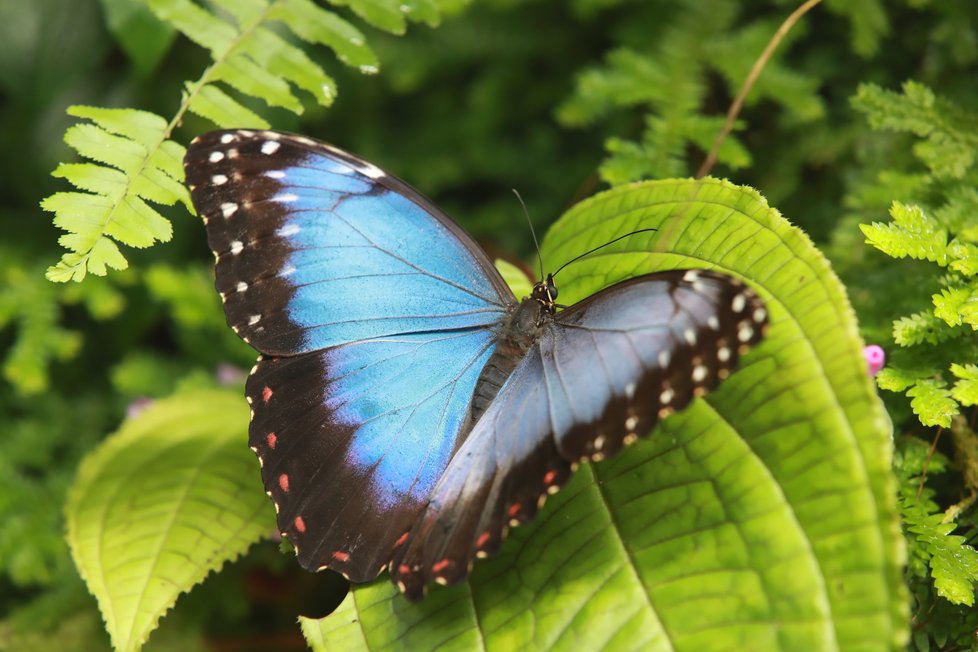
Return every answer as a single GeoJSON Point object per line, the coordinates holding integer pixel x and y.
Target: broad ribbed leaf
{"type": "Point", "coordinates": [170, 497]}
{"type": "Point", "coordinates": [761, 518]}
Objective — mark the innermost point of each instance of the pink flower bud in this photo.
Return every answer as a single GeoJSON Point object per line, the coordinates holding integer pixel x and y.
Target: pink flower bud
{"type": "Point", "coordinates": [875, 358]}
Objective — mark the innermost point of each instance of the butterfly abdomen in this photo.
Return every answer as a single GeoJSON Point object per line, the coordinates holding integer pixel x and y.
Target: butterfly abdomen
{"type": "Point", "coordinates": [517, 334]}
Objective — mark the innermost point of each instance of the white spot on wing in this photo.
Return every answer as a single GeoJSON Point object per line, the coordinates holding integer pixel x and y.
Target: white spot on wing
{"type": "Point", "coordinates": [690, 336]}
{"type": "Point", "coordinates": [215, 157]}
{"type": "Point", "coordinates": [723, 353]}
{"type": "Point", "coordinates": [219, 179]}
{"type": "Point", "coordinates": [745, 332]}
{"type": "Point", "coordinates": [699, 373]}
{"type": "Point", "coordinates": [713, 322]}
{"type": "Point", "coordinates": [242, 286]}
{"type": "Point", "coordinates": [275, 174]}
{"type": "Point", "coordinates": [691, 276]}
{"type": "Point", "coordinates": [631, 422]}
{"type": "Point", "coordinates": [227, 138]}
{"type": "Point", "coordinates": [630, 390]}
{"type": "Point", "coordinates": [236, 247]}
{"type": "Point", "coordinates": [286, 198]}
{"type": "Point", "coordinates": [664, 358]}
{"type": "Point", "coordinates": [369, 170]}
{"type": "Point", "coordinates": [228, 209]}
{"type": "Point", "coordinates": [269, 147]}
{"type": "Point", "coordinates": [666, 396]}
{"type": "Point", "coordinates": [739, 301]}
{"type": "Point", "coordinates": [759, 315]}
{"type": "Point", "coordinates": [254, 319]}
{"type": "Point", "coordinates": [287, 230]}
{"type": "Point", "coordinates": [287, 270]}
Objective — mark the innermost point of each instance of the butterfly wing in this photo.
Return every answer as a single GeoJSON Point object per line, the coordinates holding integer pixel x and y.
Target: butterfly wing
{"type": "Point", "coordinates": [373, 312]}
{"type": "Point", "coordinates": [603, 374]}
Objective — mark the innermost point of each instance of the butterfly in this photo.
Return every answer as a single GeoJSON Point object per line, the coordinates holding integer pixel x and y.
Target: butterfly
{"type": "Point", "coordinates": [407, 409]}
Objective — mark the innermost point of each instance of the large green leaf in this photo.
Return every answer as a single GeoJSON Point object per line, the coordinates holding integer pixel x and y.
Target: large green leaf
{"type": "Point", "coordinates": [170, 497]}
{"type": "Point", "coordinates": [761, 518]}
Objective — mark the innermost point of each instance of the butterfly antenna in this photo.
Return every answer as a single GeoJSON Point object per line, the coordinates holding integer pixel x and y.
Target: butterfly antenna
{"type": "Point", "coordinates": [587, 253]}
{"type": "Point", "coordinates": [532, 232]}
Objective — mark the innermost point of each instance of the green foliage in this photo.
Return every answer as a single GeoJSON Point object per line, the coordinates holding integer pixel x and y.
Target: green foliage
{"type": "Point", "coordinates": [933, 220]}
{"type": "Point", "coordinates": [940, 229]}
{"type": "Point", "coordinates": [701, 507]}
{"type": "Point", "coordinates": [160, 504]}
{"type": "Point", "coordinates": [135, 162]}
{"type": "Point", "coordinates": [662, 75]}
{"type": "Point", "coordinates": [33, 307]}
{"type": "Point", "coordinates": [135, 158]}
{"type": "Point", "coordinates": [464, 112]}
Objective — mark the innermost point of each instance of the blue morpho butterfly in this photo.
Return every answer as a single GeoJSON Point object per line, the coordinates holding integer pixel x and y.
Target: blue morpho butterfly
{"type": "Point", "coordinates": [406, 408]}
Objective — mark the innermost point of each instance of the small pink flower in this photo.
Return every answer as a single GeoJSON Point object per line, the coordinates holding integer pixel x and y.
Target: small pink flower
{"type": "Point", "coordinates": [875, 358]}
{"type": "Point", "coordinates": [228, 374]}
{"type": "Point", "coordinates": [138, 406]}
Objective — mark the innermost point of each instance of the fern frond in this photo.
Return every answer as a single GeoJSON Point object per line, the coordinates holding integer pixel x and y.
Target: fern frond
{"type": "Point", "coordinates": [953, 563]}
{"type": "Point", "coordinates": [912, 233]}
{"type": "Point", "coordinates": [921, 327]}
{"type": "Point", "coordinates": [135, 162]}
{"type": "Point", "coordinates": [958, 305]}
{"type": "Point", "coordinates": [669, 85]}
{"type": "Point", "coordinates": [950, 134]}
{"type": "Point", "coordinates": [964, 257]}
{"type": "Point", "coordinates": [965, 390]}
{"type": "Point", "coordinates": [898, 379]}
{"type": "Point", "coordinates": [932, 403]}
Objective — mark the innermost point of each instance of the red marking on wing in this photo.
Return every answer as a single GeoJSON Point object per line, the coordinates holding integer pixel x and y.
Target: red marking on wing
{"type": "Point", "coordinates": [271, 439]}
{"type": "Point", "coordinates": [514, 509]}
{"type": "Point", "coordinates": [283, 482]}
{"type": "Point", "coordinates": [442, 565]}
{"type": "Point", "coordinates": [401, 539]}
{"type": "Point", "coordinates": [300, 525]}
{"type": "Point", "coordinates": [266, 393]}
{"type": "Point", "coordinates": [339, 555]}
{"type": "Point", "coordinates": [483, 539]}
{"type": "Point", "coordinates": [549, 478]}
{"type": "Point", "coordinates": [403, 569]}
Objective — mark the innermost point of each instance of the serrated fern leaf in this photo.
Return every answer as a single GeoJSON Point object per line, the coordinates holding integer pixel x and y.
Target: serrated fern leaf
{"type": "Point", "coordinates": [965, 390]}
{"type": "Point", "coordinates": [958, 305]}
{"type": "Point", "coordinates": [932, 403]}
{"type": "Point", "coordinates": [912, 233]}
{"type": "Point", "coordinates": [954, 565]}
{"type": "Point", "coordinates": [921, 327]}
{"type": "Point", "coordinates": [134, 162]}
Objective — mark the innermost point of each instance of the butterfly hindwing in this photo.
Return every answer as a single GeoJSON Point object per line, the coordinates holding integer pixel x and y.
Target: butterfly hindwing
{"type": "Point", "coordinates": [374, 313]}
{"type": "Point", "coordinates": [350, 462]}
{"type": "Point", "coordinates": [602, 375]}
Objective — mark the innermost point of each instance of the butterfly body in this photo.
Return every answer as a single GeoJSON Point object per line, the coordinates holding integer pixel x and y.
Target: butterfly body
{"type": "Point", "coordinates": [407, 410]}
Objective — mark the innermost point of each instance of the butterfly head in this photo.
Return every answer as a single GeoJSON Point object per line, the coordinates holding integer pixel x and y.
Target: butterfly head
{"type": "Point", "coordinates": [545, 292]}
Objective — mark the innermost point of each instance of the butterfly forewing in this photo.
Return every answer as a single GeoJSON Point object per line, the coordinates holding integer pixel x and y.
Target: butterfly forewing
{"type": "Point", "coordinates": [316, 248]}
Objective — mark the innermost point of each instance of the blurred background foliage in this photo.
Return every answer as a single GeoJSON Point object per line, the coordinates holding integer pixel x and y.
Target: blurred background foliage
{"type": "Point", "coordinates": [556, 98]}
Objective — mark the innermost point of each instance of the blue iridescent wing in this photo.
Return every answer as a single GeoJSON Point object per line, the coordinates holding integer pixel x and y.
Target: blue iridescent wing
{"type": "Point", "coordinates": [602, 375]}
{"type": "Point", "coordinates": [374, 314]}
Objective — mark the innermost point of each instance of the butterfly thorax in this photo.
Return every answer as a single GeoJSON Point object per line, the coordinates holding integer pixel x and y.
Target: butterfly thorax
{"type": "Point", "coordinates": [517, 333]}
